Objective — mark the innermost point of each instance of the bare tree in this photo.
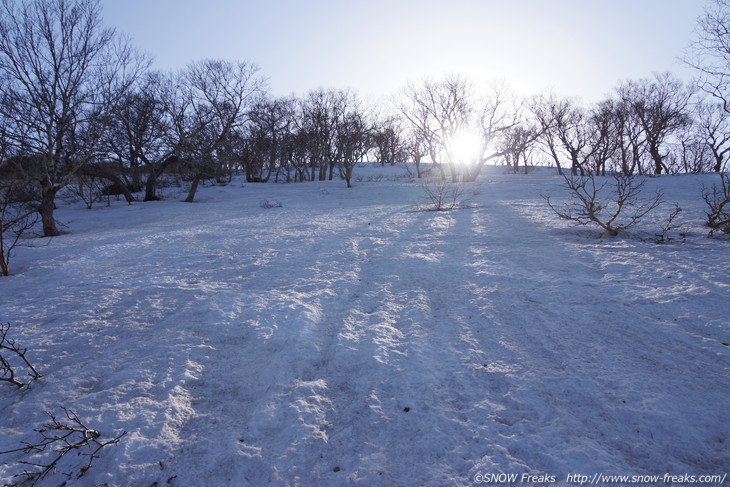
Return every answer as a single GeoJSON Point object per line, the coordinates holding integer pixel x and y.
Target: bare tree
{"type": "Point", "coordinates": [661, 106]}
{"type": "Point", "coordinates": [65, 75]}
{"type": "Point", "coordinates": [271, 121]}
{"type": "Point", "coordinates": [713, 127]}
{"type": "Point", "coordinates": [416, 148]}
{"type": "Point", "coordinates": [321, 113]}
{"type": "Point", "coordinates": [718, 201]}
{"type": "Point", "coordinates": [563, 131]}
{"type": "Point", "coordinates": [517, 144]}
{"type": "Point", "coordinates": [627, 132]}
{"type": "Point", "coordinates": [442, 112]}
{"type": "Point", "coordinates": [709, 53]}
{"type": "Point", "coordinates": [219, 94]}
{"type": "Point", "coordinates": [437, 111]}
{"type": "Point", "coordinates": [352, 140]}
{"type": "Point", "coordinates": [613, 207]}
{"type": "Point", "coordinates": [138, 132]}
{"type": "Point", "coordinates": [547, 110]}
{"type": "Point", "coordinates": [388, 139]}
{"type": "Point", "coordinates": [602, 130]}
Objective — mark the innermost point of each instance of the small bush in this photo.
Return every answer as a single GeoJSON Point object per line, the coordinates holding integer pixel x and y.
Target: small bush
{"type": "Point", "coordinates": [443, 195]}
{"type": "Point", "coordinates": [718, 201]}
{"type": "Point", "coordinates": [13, 357]}
{"type": "Point", "coordinates": [16, 219]}
{"type": "Point", "coordinates": [56, 439]}
{"type": "Point", "coordinates": [267, 204]}
{"type": "Point", "coordinates": [613, 207]}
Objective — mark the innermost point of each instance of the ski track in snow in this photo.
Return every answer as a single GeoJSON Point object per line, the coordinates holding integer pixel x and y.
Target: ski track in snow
{"type": "Point", "coordinates": [349, 338]}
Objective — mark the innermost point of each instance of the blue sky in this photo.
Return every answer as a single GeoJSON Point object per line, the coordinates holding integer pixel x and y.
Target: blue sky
{"type": "Point", "coordinates": [574, 47]}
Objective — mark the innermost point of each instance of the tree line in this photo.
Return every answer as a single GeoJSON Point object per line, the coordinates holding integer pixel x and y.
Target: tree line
{"type": "Point", "coordinates": [78, 100]}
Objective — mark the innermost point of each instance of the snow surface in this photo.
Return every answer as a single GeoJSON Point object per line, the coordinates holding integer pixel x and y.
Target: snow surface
{"type": "Point", "coordinates": [351, 337]}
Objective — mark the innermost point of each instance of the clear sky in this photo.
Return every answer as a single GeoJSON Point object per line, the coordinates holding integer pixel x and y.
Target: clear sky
{"type": "Point", "coordinates": [575, 47]}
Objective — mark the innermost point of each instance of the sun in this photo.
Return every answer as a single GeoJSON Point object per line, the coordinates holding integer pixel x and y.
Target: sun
{"type": "Point", "coordinates": [465, 147]}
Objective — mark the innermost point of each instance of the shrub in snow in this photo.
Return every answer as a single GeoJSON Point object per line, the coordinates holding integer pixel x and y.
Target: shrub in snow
{"type": "Point", "coordinates": [267, 204]}
{"type": "Point", "coordinates": [718, 202]}
{"type": "Point", "coordinates": [56, 439]}
{"type": "Point", "coordinates": [16, 218]}
{"type": "Point", "coordinates": [614, 207]}
{"type": "Point", "coordinates": [8, 351]}
{"type": "Point", "coordinates": [442, 194]}
{"type": "Point", "coordinates": [669, 225]}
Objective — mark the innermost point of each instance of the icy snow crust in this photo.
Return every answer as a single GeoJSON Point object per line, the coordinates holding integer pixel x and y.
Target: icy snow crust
{"type": "Point", "coordinates": [351, 337]}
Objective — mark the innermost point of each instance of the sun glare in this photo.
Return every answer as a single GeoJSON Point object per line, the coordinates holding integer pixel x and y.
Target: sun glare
{"type": "Point", "coordinates": [465, 147]}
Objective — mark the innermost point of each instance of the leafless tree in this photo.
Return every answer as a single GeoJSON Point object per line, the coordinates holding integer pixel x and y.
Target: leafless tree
{"type": "Point", "coordinates": [219, 94]}
{"type": "Point", "coordinates": [565, 132]}
{"type": "Point", "coordinates": [271, 122]}
{"type": "Point", "coordinates": [333, 132]}
{"type": "Point", "coordinates": [613, 204]}
{"type": "Point", "coordinates": [709, 53]}
{"type": "Point", "coordinates": [603, 132]}
{"type": "Point", "coordinates": [691, 152]}
{"type": "Point", "coordinates": [416, 149]}
{"type": "Point", "coordinates": [64, 76]}
{"type": "Point", "coordinates": [439, 112]}
{"type": "Point", "coordinates": [138, 136]}
{"type": "Point", "coordinates": [717, 199]}
{"type": "Point", "coordinates": [352, 141]}
{"type": "Point", "coordinates": [388, 139]}
{"type": "Point", "coordinates": [321, 111]}
{"type": "Point", "coordinates": [626, 130]}
{"type": "Point", "coordinates": [547, 110]}
{"type": "Point", "coordinates": [436, 112]}
{"type": "Point", "coordinates": [661, 107]}
{"type": "Point", "coordinates": [518, 142]}
{"type": "Point", "coordinates": [713, 127]}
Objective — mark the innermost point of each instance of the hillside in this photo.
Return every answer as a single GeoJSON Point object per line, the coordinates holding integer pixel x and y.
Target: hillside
{"type": "Point", "coordinates": [352, 337]}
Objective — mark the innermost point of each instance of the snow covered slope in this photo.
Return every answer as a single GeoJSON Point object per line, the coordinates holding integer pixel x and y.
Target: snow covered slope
{"type": "Point", "coordinates": [349, 337]}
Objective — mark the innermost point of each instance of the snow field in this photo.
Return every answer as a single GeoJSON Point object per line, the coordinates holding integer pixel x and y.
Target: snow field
{"type": "Point", "coordinates": [352, 338]}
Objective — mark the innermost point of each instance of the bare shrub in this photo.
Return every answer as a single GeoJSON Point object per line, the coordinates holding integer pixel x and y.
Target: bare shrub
{"type": "Point", "coordinates": [9, 350]}
{"type": "Point", "coordinates": [613, 207]}
{"type": "Point", "coordinates": [268, 204]}
{"type": "Point", "coordinates": [442, 194]}
{"type": "Point", "coordinates": [718, 202]}
{"type": "Point", "coordinates": [89, 189]}
{"type": "Point", "coordinates": [16, 219]}
{"type": "Point", "coordinates": [669, 225]}
{"type": "Point", "coordinates": [56, 439]}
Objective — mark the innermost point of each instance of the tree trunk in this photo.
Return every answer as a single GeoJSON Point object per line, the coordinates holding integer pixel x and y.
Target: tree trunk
{"type": "Point", "coordinates": [156, 171]}
{"type": "Point", "coordinates": [193, 189]}
{"type": "Point", "coordinates": [45, 209]}
{"type": "Point", "coordinates": [149, 191]}
{"type": "Point", "coordinates": [657, 158]}
{"type": "Point", "coordinates": [136, 177]}
{"type": "Point", "coordinates": [718, 162]}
